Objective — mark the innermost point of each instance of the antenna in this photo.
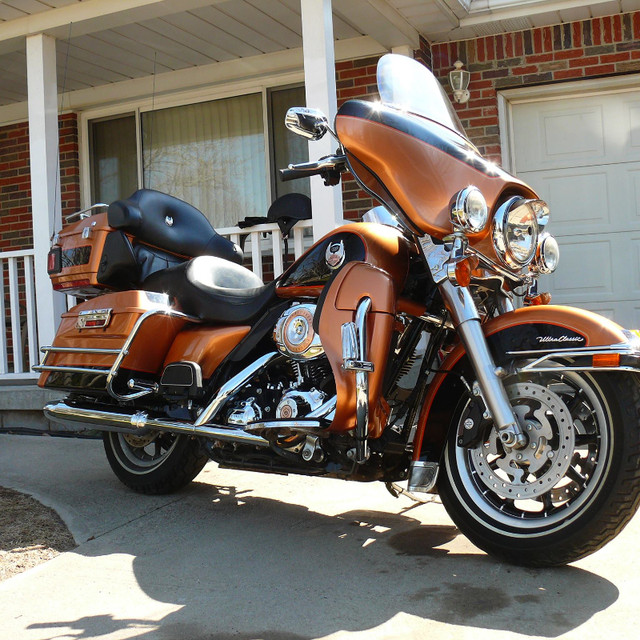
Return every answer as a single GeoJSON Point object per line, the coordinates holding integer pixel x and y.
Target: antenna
{"type": "Point", "coordinates": [151, 119]}
{"type": "Point", "coordinates": [60, 108]}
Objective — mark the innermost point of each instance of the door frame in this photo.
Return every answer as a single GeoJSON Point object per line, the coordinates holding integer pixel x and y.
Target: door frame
{"type": "Point", "coordinates": [508, 98]}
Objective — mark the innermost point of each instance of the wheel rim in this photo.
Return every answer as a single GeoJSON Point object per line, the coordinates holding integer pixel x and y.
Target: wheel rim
{"type": "Point", "coordinates": [143, 454]}
{"type": "Point", "coordinates": [546, 485]}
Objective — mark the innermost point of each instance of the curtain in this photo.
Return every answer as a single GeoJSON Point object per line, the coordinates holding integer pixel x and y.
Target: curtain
{"type": "Point", "coordinates": [210, 154]}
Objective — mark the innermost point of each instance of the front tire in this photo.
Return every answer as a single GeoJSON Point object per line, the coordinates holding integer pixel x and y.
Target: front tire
{"type": "Point", "coordinates": [154, 463]}
{"type": "Point", "coordinates": [571, 490]}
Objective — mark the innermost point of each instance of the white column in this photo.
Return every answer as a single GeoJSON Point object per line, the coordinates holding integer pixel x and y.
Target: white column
{"type": "Point", "coordinates": [46, 203]}
{"type": "Point", "coordinates": [320, 90]}
{"type": "Point", "coordinates": [403, 50]}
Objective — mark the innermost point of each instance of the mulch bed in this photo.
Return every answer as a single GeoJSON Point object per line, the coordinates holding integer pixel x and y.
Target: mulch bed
{"type": "Point", "coordinates": [30, 533]}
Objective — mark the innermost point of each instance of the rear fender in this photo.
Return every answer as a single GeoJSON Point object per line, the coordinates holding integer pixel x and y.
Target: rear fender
{"type": "Point", "coordinates": [531, 334]}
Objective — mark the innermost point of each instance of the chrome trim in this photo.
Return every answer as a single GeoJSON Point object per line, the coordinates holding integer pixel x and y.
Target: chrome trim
{"type": "Point", "coordinates": [437, 320]}
{"type": "Point", "coordinates": [499, 231]}
{"type": "Point", "coordinates": [228, 388]}
{"type": "Point", "coordinates": [310, 426]}
{"type": "Point", "coordinates": [306, 122]}
{"type": "Point", "coordinates": [460, 215]}
{"type": "Point", "coordinates": [63, 413]}
{"type": "Point", "coordinates": [63, 369]}
{"type": "Point", "coordinates": [622, 347]}
{"type": "Point", "coordinates": [324, 409]}
{"type": "Point", "coordinates": [423, 476]}
{"type": "Point", "coordinates": [540, 261]}
{"type": "Point", "coordinates": [542, 357]}
{"type": "Point", "coordinates": [127, 344]}
{"type": "Point", "coordinates": [77, 350]}
{"type": "Point", "coordinates": [362, 383]}
{"type": "Point", "coordinates": [464, 313]}
{"type": "Point", "coordinates": [86, 213]}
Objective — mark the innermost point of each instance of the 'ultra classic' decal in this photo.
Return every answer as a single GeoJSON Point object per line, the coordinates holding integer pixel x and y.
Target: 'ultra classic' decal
{"type": "Point", "coordinates": [535, 337]}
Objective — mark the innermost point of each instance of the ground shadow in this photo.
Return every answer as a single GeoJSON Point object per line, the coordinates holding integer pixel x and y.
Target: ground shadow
{"type": "Point", "coordinates": [269, 569]}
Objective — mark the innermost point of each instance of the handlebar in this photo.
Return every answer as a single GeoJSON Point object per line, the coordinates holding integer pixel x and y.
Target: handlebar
{"type": "Point", "coordinates": [329, 167]}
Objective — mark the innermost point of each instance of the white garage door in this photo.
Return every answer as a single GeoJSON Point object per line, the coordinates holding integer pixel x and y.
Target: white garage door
{"type": "Point", "coordinates": [582, 155]}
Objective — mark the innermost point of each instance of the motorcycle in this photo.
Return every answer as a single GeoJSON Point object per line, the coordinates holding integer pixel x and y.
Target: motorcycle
{"type": "Point", "coordinates": [392, 350]}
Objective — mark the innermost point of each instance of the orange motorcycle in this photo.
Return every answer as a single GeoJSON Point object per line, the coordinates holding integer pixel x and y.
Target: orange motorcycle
{"type": "Point", "coordinates": [391, 350]}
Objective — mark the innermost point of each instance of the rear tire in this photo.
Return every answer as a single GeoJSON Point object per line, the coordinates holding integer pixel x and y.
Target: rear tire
{"type": "Point", "coordinates": [156, 463]}
{"type": "Point", "coordinates": [575, 486]}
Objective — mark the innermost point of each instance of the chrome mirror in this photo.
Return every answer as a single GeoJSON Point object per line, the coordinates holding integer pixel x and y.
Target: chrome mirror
{"type": "Point", "coordinates": [308, 123]}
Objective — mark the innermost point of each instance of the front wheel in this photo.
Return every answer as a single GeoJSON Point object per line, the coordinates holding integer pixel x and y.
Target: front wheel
{"type": "Point", "coordinates": [571, 490]}
{"type": "Point", "coordinates": [154, 463]}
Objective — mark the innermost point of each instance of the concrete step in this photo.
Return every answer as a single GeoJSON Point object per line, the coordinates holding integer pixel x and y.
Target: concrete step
{"type": "Point", "coordinates": [21, 408]}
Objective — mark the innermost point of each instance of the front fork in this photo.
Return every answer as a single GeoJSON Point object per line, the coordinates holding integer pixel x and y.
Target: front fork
{"type": "Point", "coordinates": [464, 314]}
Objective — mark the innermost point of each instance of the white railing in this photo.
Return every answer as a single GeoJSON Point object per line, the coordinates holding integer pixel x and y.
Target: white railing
{"type": "Point", "coordinates": [265, 241]}
{"type": "Point", "coordinates": [19, 342]}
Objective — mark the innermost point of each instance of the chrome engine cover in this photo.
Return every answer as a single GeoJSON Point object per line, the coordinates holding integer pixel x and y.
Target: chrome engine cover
{"type": "Point", "coordinates": [294, 334]}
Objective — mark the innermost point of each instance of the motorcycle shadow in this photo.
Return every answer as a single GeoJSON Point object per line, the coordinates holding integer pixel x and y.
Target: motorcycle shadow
{"type": "Point", "coordinates": [249, 566]}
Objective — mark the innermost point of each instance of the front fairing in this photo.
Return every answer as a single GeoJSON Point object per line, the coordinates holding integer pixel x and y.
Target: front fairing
{"type": "Point", "coordinates": [416, 164]}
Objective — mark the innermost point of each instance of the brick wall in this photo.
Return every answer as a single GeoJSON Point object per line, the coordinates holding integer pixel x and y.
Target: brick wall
{"type": "Point", "coordinates": [15, 208]}
{"type": "Point", "coordinates": [15, 180]}
{"type": "Point", "coordinates": [587, 49]}
{"type": "Point", "coordinates": [356, 79]}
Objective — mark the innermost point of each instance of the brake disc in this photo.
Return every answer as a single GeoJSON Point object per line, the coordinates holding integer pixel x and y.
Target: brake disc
{"type": "Point", "coordinates": [538, 467]}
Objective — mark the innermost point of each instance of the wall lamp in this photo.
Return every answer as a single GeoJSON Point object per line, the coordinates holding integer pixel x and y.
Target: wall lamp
{"type": "Point", "coordinates": [459, 81]}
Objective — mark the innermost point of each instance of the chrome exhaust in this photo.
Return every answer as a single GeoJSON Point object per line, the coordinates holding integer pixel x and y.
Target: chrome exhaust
{"type": "Point", "coordinates": [62, 413]}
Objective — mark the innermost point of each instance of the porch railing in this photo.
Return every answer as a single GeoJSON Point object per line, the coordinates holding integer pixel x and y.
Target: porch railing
{"type": "Point", "coordinates": [263, 243]}
{"type": "Point", "coordinates": [19, 343]}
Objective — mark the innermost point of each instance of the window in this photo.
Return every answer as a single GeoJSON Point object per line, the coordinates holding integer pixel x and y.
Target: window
{"type": "Point", "coordinates": [112, 149]}
{"type": "Point", "coordinates": [211, 154]}
{"type": "Point", "coordinates": [286, 146]}
{"type": "Point", "coordinates": [215, 155]}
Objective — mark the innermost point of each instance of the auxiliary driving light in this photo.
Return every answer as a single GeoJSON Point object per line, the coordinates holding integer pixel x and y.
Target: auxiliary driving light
{"type": "Point", "coordinates": [470, 212]}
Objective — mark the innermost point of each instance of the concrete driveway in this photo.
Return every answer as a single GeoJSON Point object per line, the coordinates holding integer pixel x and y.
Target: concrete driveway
{"type": "Point", "coordinates": [250, 556]}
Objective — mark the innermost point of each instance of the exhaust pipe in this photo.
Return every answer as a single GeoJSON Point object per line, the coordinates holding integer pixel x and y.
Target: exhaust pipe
{"type": "Point", "coordinates": [62, 413]}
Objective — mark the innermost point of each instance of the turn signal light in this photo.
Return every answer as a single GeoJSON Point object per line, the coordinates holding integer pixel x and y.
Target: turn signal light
{"type": "Point", "coordinates": [606, 360]}
{"type": "Point", "coordinates": [464, 268]}
{"type": "Point", "coordinates": [540, 299]}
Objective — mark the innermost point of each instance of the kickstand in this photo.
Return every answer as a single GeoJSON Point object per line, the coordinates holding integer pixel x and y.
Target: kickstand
{"type": "Point", "coordinates": [396, 491]}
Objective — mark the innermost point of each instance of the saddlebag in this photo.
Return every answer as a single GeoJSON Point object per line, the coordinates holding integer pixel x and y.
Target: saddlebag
{"type": "Point", "coordinates": [130, 332]}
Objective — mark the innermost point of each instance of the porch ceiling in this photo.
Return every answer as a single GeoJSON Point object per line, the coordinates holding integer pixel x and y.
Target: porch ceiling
{"type": "Point", "coordinates": [105, 41]}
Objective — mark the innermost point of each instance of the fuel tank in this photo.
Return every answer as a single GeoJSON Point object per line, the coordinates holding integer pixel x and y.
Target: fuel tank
{"type": "Point", "coordinates": [378, 245]}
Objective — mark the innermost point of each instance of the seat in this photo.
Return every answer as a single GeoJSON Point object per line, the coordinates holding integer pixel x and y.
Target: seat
{"type": "Point", "coordinates": [162, 221]}
{"type": "Point", "coordinates": [214, 290]}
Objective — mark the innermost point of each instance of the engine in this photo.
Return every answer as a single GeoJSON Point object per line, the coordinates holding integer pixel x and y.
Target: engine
{"type": "Point", "coordinates": [291, 389]}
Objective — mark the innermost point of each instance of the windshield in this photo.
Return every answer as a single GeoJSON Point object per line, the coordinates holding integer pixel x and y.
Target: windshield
{"type": "Point", "coordinates": [406, 84]}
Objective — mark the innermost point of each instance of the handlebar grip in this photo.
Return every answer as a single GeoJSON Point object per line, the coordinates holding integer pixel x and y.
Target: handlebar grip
{"type": "Point", "coordinates": [294, 174]}
{"type": "Point", "coordinates": [329, 167]}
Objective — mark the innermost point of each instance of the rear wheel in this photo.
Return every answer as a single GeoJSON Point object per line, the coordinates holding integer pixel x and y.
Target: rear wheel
{"type": "Point", "coordinates": [154, 463]}
{"type": "Point", "coordinates": [571, 490]}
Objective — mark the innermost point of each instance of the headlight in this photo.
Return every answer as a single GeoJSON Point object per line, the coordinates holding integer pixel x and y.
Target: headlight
{"type": "Point", "coordinates": [547, 254]}
{"type": "Point", "coordinates": [516, 228]}
{"type": "Point", "coordinates": [469, 212]}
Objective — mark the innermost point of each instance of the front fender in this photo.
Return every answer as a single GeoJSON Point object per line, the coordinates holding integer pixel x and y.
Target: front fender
{"type": "Point", "coordinates": [536, 329]}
